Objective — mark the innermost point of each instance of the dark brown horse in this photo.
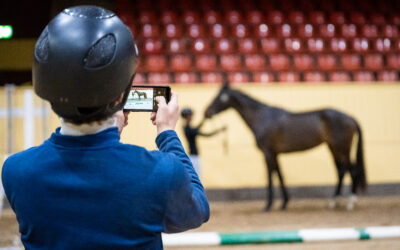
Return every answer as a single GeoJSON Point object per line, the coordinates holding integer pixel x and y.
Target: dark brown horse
{"type": "Point", "coordinates": [279, 131]}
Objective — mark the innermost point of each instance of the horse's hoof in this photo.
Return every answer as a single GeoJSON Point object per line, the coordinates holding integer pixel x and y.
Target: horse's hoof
{"type": "Point", "coordinates": [352, 201]}
{"type": "Point", "coordinates": [267, 209]}
{"type": "Point", "coordinates": [332, 204]}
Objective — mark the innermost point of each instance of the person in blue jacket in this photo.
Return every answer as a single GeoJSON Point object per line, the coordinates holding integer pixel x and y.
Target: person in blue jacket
{"type": "Point", "coordinates": [82, 188]}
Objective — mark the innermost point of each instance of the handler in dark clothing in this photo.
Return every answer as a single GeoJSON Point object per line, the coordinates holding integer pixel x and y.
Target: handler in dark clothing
{"type": "Point", "coordinates": [191, 134]}
{"type": "Point", "coordinates": [83, 188]}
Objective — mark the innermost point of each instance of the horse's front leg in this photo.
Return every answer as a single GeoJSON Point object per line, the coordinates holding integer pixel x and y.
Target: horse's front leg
{"type": "Point", "coordinates": [270, 191]}
{"type": "Point", "coordinates": [270, 161]}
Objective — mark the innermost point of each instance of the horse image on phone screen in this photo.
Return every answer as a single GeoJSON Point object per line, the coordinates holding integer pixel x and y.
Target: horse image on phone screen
{"type": "Point", "coordinates": [139, 95]}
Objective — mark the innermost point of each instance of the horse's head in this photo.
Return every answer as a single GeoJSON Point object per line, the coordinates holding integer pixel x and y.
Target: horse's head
{"type": "Point", "coordinates": [220, 102]}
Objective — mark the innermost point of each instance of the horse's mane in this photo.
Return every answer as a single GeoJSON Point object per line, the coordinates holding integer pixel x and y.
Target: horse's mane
{"type": "Point", "coordinates": [245, 99]}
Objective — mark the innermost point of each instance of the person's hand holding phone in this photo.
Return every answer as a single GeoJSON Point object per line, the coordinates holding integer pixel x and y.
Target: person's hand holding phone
{"type": "Point", "coordinates": [167, 115]}
{"type": "Point", "coordinates": [121, 118]}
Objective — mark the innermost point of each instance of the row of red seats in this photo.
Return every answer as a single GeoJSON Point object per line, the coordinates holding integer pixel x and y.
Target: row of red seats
{"type": "Point", "coordinates": [268, 45]}
{"type": "Point", "coordinates": [364, 5]}
{"type": "Point", "coordinates": [267, 77]}
{"type": "Point", "coordinates": [257, 17]}
{"type": "Point", "coordinates": [277, 62]}
{"type": "Point", "coordinates": [264, 30]}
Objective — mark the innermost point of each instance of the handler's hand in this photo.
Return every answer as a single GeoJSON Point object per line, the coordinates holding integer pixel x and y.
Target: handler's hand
{"type": "Point", "coordinates": [167, 114]}
{"type": "Point", "coordinates": [121, 119]}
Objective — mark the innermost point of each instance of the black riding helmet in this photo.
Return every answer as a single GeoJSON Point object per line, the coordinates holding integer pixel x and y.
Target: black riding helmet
{"type": "Point", "coordinates": [186, 112]}
{"type": "Point", "coordinates": [84, 60]}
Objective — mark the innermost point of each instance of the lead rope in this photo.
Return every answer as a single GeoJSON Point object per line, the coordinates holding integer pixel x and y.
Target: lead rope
{"type": "Point", "coordinates": [225, 145]}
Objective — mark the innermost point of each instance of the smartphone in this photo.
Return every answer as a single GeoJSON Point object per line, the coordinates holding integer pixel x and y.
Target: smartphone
{"type": "Point", "coordinates": [142, 98]}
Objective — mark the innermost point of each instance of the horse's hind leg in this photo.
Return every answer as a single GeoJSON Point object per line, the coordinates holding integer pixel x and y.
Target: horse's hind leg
{"type": "Point", "coordinates": [340, 171]}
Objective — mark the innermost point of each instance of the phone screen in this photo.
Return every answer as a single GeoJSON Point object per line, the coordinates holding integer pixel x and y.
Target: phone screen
{"type": "Point", "coordinates": [142, 98]}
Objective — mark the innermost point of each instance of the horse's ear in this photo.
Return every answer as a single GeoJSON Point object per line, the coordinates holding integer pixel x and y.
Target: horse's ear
{"type": "Point", "coordinates": [226, 84]}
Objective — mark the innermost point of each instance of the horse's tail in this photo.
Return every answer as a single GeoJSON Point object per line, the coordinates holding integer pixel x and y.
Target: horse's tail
{"type": "Point", "coordinates": [362, 179]}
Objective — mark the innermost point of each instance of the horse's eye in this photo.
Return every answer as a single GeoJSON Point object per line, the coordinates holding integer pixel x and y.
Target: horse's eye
{"type": "Point", "coordinates": [224, 97]}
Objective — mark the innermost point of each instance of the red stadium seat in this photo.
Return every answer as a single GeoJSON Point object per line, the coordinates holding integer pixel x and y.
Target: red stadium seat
{"type": "Point", "coordinates": [201, 45]}
{"type": "Point", "coordinates": [317, 17]}
{"type": "Point", "coordinates": [339, 77]}
{"type": "Point", "coordinates": [186, 77]}
{"type": "Point", "coordinates": [155, 63]}
{"type": "Point", "coordinates": [157, 78]}
{"type": "Point", "coordinates": [327, 30]}
{"type": "Point", "coordinates": [127, 18]}
{"type": "Point", "coordinates": [212, 17]}
{"type": "Point", "coordinates": [152, 46]}
{"type": "Point", "coordinates": [240, 30]}
{"type": "Point", "coordinates": [181, 63]}
{"type": "Point", "coordinates": [397, 45]}
{"type": "Point", "coordinates": [395, 19]}
{"type": "Point", "coordinates": [288, 77]}
{"type": "Point", "coordinates": [373, 62]}
{"type": "Point", "coordinates": [224, 46]}
{"type": "Point", "coordinates": [211, 77]}
{"type": "Point", "coordinates": [168, 17]}
{"type": "Point", "coordinates": [314, 76]}
{"type": "Point", "coordinates": [191, 17]}
{"type": "Point", "coordinates": [303, 62]}
{"type": "Point", "coordinates": [327, 62]}
{"type": "Point", "coordinates": [270, 45]}
{"type": "Point", "coordinates": [262, 30]}
{"type": "Point", "coordinates": [305, 30]}
{"type": "Point", "coordinates": [150, 31]}
{"type": "Point", "coordinates": [296, 17]}
{"type": "Point", "coordinates": [315, 45]}
{"type": "Point", "coordinates": [388, 76]}
{"type": "Point", "coordinates": [139, 78]}
{"type": "Point", "coordinates": [218, 30]}
{"type": "Point", "coordinates": [377, 18]}
{"type": "Point", "coordinates": [263, 77]}
{"type": "Point", "coordinates": [255, 17]}
{"type": "Point", "coordinates": [279, 62]}
{"type": "Point", "coordinates": [284, 30]}
{"type": "Point", "coordinates": [382, 45]}
{"type": "Point", "coordinates": [233, 17]}
{"type": "Point", "coordinates": [196, 31]}
{"type": "Point", "coordinates": [351, 62]}
{"type": "Point", "coordinates": [338, 45]}
{"type": "Point", "coordinates": [172, 30]}
{"type": "Point", "coordinates": [206, 62]}
{"type": "Point", "coordinates": [293, 45]}
{"type": "Point", "coordinates": [369, 31]}
{"type": "Point", "coordinates": [390, 31]}
{"type": "Point", "coordinates": [176, 45]}
{"type": "Point", "coordinates": [238, 77]}
{"type": "Point", "coordinates": [360, 45]}
{"type": "Point", "coordinates": [146, 17]}
{"type": "Point", "coordinates": [393, 61]}
{"type": "Point", "coordinates": [275, 17]}
{"type": "Point", "coordinates": [337, 18]}
{"type": "Point", "coordinates": [232, 62]}
{"type": "Point", "coordinates": [255, 62]}
{"type": "Point", "coordinates": [363, 76]}
{"type": "Point", "coordinates": [349, 30]}
{"type": "Point", "coordinates": [247, 45]}
{"type": "Point", "coordinates": [357, 18]}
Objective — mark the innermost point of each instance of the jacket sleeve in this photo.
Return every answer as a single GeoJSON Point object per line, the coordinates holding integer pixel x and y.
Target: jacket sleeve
{"type": "Point", "coordinates": [187, 206]}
